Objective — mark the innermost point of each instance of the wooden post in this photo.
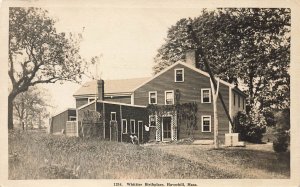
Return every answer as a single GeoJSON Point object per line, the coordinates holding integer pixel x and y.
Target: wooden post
{"type": "Point", "coordinates": [216, 121]}
{"type": "Point", "coordinates": [121, 116]}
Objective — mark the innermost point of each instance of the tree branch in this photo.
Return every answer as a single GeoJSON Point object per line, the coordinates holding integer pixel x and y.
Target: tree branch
{"type": "Point", "coordinates": [11, 69]}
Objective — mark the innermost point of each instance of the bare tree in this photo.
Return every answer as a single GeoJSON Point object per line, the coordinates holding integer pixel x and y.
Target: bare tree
{"type": "Point", "coordinates": [31, 107]}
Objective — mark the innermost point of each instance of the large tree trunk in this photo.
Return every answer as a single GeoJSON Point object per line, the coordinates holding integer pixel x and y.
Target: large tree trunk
{"type": "Point", "coordinates": [10, 111]}
{"type": "Point", "coordinates": [250, 86]}
{"type": "Point", "coordinates": [215, 93]}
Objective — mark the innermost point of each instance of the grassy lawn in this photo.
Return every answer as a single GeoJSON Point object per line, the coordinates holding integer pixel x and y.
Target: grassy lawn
{"type": "Point", "coordinates": [34, 155]}
{"type": "Point", "coordinates": [253, 161]}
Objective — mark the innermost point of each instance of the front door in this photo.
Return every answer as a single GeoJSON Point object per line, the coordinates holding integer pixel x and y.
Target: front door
{"type": "Point", "coordinates": [166, 129]}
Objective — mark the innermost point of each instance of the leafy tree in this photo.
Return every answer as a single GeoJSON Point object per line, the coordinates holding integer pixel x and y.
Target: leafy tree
{"type": "Point", "coordinates": [38, 53]}
{"type": "Point", "coordinates": [248, 47]}
{"type": "Point", "coordinates": [31, 106]}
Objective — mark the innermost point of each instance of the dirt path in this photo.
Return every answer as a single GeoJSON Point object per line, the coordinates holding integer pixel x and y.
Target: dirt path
{"type": "Point", "coordinates": [255, 161]}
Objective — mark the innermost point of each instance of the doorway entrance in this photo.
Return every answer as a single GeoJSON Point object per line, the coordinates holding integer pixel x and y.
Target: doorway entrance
{"type": "Point", "coordinates": [166, 128]}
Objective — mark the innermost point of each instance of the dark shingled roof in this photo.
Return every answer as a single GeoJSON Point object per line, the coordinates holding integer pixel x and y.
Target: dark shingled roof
{"type": "Point", "coordinates": [111, 86]}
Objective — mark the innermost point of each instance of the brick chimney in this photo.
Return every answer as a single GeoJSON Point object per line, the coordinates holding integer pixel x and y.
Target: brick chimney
{"type": "Point", "coordinates": [100, 85]}
{"type": "Point", "coordinates": [190, 57]}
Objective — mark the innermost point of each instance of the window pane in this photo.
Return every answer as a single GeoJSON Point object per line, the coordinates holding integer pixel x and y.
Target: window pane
{"type": "Point", "coordinates": [206, 124]}
{"type": "Point", "coordinates": [152, 121]}
{"type": "Point", "coordinates": [113, 117]}
{"type": "Point", "coordinates": [132, 125]}
{"type": "Point", "coordinates": [124, 122]}
{"type": "Point", "coordinates": [179, 75]}
{"type": "Point", "coordinates": [205, 96]}
{"type": "Point", "coordinates": [169, 98]}
{"type": "Point", "coordinates": [152, 97]}
{"type": "Point", "coordinates": [205, 128]}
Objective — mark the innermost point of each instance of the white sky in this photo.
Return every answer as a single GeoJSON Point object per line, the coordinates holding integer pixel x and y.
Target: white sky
{"type": "Point", "coordinates": [128, 39]}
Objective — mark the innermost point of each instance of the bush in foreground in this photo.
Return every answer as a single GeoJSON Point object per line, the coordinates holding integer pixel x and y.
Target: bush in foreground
{"type": "Point", "coordinates": [248, 130]}
{"type": "Point", "coordinates": [281, 141]}
{"type": "Point", "coordinates": [280, 144]}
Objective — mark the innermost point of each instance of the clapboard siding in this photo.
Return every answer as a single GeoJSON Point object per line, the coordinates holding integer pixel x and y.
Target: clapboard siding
{"type": "Point", "coordinates": [119, 99]}
{"type": "Point", "coordinates": [90, 107]}
{"type": "Point", "coordinates": [136, 114]}
{"type": "Point", "coordinates": [58, 121]}
{"type": "Point", "coordinates": [72, 113]}
{"type": "Point", "coordinates": [122, 112]}
{"type": "Point", "coordinates": [81, 101]}
{"type": "Point", "coordinates": [235, 106]}
{"type": "Point", "coordinates": [190, 91]}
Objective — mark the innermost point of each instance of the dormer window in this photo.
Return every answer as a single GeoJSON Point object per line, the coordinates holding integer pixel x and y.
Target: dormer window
{"type": "Point", "coordinates": [179, 75]}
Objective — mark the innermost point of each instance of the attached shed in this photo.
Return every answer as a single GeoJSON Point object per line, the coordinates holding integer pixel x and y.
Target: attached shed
{"type": "Point", "coordinates": [114, 121]}
{"type": "Point", "coordinates": [58, 121]}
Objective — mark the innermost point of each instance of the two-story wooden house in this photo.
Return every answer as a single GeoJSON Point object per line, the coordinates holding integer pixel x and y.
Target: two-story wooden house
{"type": "Point", "coordinates": [194, 87]}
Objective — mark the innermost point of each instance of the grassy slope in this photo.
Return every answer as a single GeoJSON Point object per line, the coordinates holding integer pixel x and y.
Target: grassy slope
{"type": "Point", "coordinates": [40, 156]}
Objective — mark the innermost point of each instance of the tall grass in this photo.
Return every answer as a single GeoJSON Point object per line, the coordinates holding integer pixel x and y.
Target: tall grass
{"type": "Point", "coordinates": [42, 156]}
{"type": "Point", "coordinates": [34, 155]}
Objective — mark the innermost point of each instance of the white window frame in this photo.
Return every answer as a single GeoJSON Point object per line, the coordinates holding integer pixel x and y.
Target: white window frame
{"type": "Point", "coordinates": [205, 89]}
{"type": "Point", "coordinates": [155, 92]}
{"type": "Point", "coordinates": [166, 97]}
{"type": "Point", "coordinates": [175, 73]}
{"type": "Point", "coordinates": [150, 120]}
{"type": "Point", "coordinates": [111, 116]}
{"type": "Point", "coordinates": [140, 122]}
{"type": "Point", "coordinates": [132, 132]}
{"type": "Point", "coordinates": [202, 122]}
{"type": "Point", "coordinates": [72, 117]}
{"type": "Point", "coordinates": [123, 126]}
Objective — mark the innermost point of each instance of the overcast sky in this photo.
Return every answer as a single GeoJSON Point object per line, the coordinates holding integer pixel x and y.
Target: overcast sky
{"type": "Point", "coordinates": [127, 38]}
